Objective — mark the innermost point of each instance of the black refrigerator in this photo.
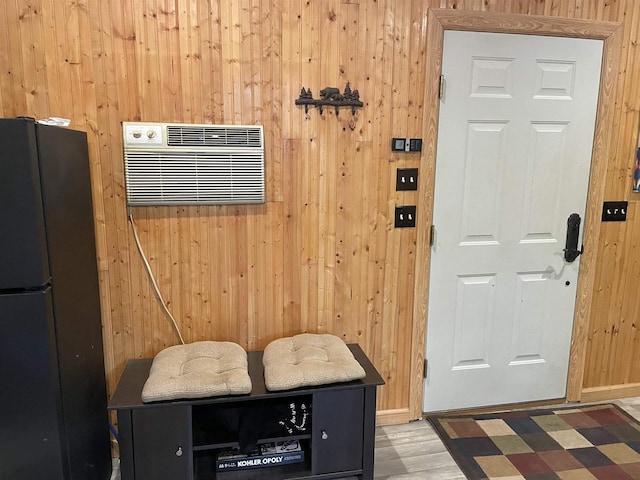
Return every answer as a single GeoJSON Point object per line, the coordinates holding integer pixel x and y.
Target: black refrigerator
{"type": "Point", "coordinates": [53, 401]}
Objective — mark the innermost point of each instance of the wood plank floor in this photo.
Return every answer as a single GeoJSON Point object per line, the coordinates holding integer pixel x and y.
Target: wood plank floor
{"type": "Point", "coordinates": [414, 452]}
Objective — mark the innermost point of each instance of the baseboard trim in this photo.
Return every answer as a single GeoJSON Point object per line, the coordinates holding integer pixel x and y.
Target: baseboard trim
{"type": "Point", "coordinates": [500, 408]}
{"type": "Point", "coordinates": [393, 417]}
{"type": "Point", "coordinates": [610, 392]}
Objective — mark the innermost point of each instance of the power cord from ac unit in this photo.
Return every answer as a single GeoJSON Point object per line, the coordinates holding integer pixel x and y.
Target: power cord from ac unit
{"type": "Point", "coordinates": [154, 284]}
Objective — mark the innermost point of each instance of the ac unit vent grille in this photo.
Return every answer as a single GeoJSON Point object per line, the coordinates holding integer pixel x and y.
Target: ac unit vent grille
{"type": "Point", "coordinates": [227, 170]}
{"type": "Point", "coordinates": [204, 136]}
{"type": "Point", "coordinates": [193, 178]}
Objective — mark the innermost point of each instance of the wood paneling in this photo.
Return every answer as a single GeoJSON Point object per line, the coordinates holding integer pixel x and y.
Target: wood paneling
{"type": "Point", "coordinates": [322, 254]}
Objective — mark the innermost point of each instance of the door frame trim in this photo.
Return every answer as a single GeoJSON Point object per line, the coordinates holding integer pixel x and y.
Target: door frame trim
{"type": "Point", "coordinates": [439, 20]}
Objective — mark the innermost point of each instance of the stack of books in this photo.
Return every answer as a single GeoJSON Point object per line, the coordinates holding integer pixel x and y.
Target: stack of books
{"type": "Point", "coordinates": [264, 455]}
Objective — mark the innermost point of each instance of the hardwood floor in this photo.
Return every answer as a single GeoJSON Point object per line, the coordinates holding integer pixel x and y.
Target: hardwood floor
{"type": "Point", "coordinates": [413, 451]}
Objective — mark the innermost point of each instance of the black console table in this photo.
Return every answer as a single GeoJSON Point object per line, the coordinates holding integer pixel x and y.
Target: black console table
{"type": "Point", "coordinates": [177, 440]}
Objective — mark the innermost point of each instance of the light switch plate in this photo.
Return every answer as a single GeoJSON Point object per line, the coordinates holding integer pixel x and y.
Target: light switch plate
{"type": "Point", "coordinates": [614, 211]}
{"type": "Point", "coordinates": [405, 216]}
{"type": "Point", "coordinates": [406, 179]}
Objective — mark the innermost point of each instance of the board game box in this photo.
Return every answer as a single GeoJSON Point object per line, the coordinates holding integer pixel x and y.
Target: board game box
{"type": "Point", "coordinates": [263, 455]}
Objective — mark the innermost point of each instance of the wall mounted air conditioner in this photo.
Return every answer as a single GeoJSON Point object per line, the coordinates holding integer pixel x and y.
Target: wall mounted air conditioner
{"type": "Point", "coordinates": [186, 164]}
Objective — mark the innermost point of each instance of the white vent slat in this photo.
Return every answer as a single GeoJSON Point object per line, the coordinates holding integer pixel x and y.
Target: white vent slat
{"type": "Point", "coordinates": [194, 164]}
{"type": "Point", "coordinates": [188, 135]}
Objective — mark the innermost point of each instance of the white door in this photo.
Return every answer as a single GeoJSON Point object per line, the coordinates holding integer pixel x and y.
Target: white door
{"type": "Point", "coordinates": [514, 151]}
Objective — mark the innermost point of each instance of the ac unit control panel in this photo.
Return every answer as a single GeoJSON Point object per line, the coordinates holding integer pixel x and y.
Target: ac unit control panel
{"type": "Point", "coordinates": [142, 134]}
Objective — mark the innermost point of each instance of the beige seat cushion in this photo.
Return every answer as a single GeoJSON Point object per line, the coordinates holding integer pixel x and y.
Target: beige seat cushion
{"type": "Point", "coordinates": [195, 370]}
{"type": "Point", "coordinates": [308, 359]}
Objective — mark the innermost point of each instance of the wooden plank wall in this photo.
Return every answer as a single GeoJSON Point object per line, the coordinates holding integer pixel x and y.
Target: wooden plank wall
{"type": "Point", "coordinates": [322, 254]}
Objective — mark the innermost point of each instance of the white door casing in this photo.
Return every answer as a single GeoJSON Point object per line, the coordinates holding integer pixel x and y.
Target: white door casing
{"type": "Point", "coordinates": [514, 148]}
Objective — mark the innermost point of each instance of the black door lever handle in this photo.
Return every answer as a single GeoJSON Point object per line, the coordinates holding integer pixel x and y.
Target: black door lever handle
{"type": "Point", "coordinates": [571, 251]}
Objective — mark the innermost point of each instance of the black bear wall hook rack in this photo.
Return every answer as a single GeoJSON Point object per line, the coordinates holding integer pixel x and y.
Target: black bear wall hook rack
{"type": "Point", "coordinates": [332, 97]}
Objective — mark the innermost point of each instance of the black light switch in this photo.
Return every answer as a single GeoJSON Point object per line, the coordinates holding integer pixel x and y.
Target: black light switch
{"type": "Point", "coordinates": [406, 179]}
{"type": "Point", "coordinates": [405, 216]}
{"type": "Point", "coordinates": [614, 211]}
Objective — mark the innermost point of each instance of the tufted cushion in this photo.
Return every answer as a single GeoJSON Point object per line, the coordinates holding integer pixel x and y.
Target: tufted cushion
{"type": "Point", "coordinates": [195, 370]}
{"type": "Point", "coordinates": [308, 359]}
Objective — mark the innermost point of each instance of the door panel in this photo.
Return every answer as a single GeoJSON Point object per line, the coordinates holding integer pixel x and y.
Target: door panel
{"type": "Point", "coordinates": [162, 443]}
{"type": "Point", "coordinates": [337, 431]}
{"type": "Point", "coordinates": [474, 313]}
{"type": "Point", "coordinates": [481, 195]}
{"type": "Point", "coordinates": [23, 251]}
{"type": "Point", "coordinates": [528, 343]}
{"type": "Point", "coordinates": [514, 150]}
{"type": "Point", "coordinates": [30, 402]}
{"type": "Point", "coordinates": [544, 174]}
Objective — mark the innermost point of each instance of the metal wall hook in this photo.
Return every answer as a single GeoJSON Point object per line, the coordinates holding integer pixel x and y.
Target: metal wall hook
{"type": "Point", "coordinates": [330, 96]}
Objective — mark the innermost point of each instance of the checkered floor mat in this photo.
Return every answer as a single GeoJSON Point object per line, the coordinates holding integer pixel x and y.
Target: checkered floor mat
{"type": "Point", "coordinates": [594, 442]}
